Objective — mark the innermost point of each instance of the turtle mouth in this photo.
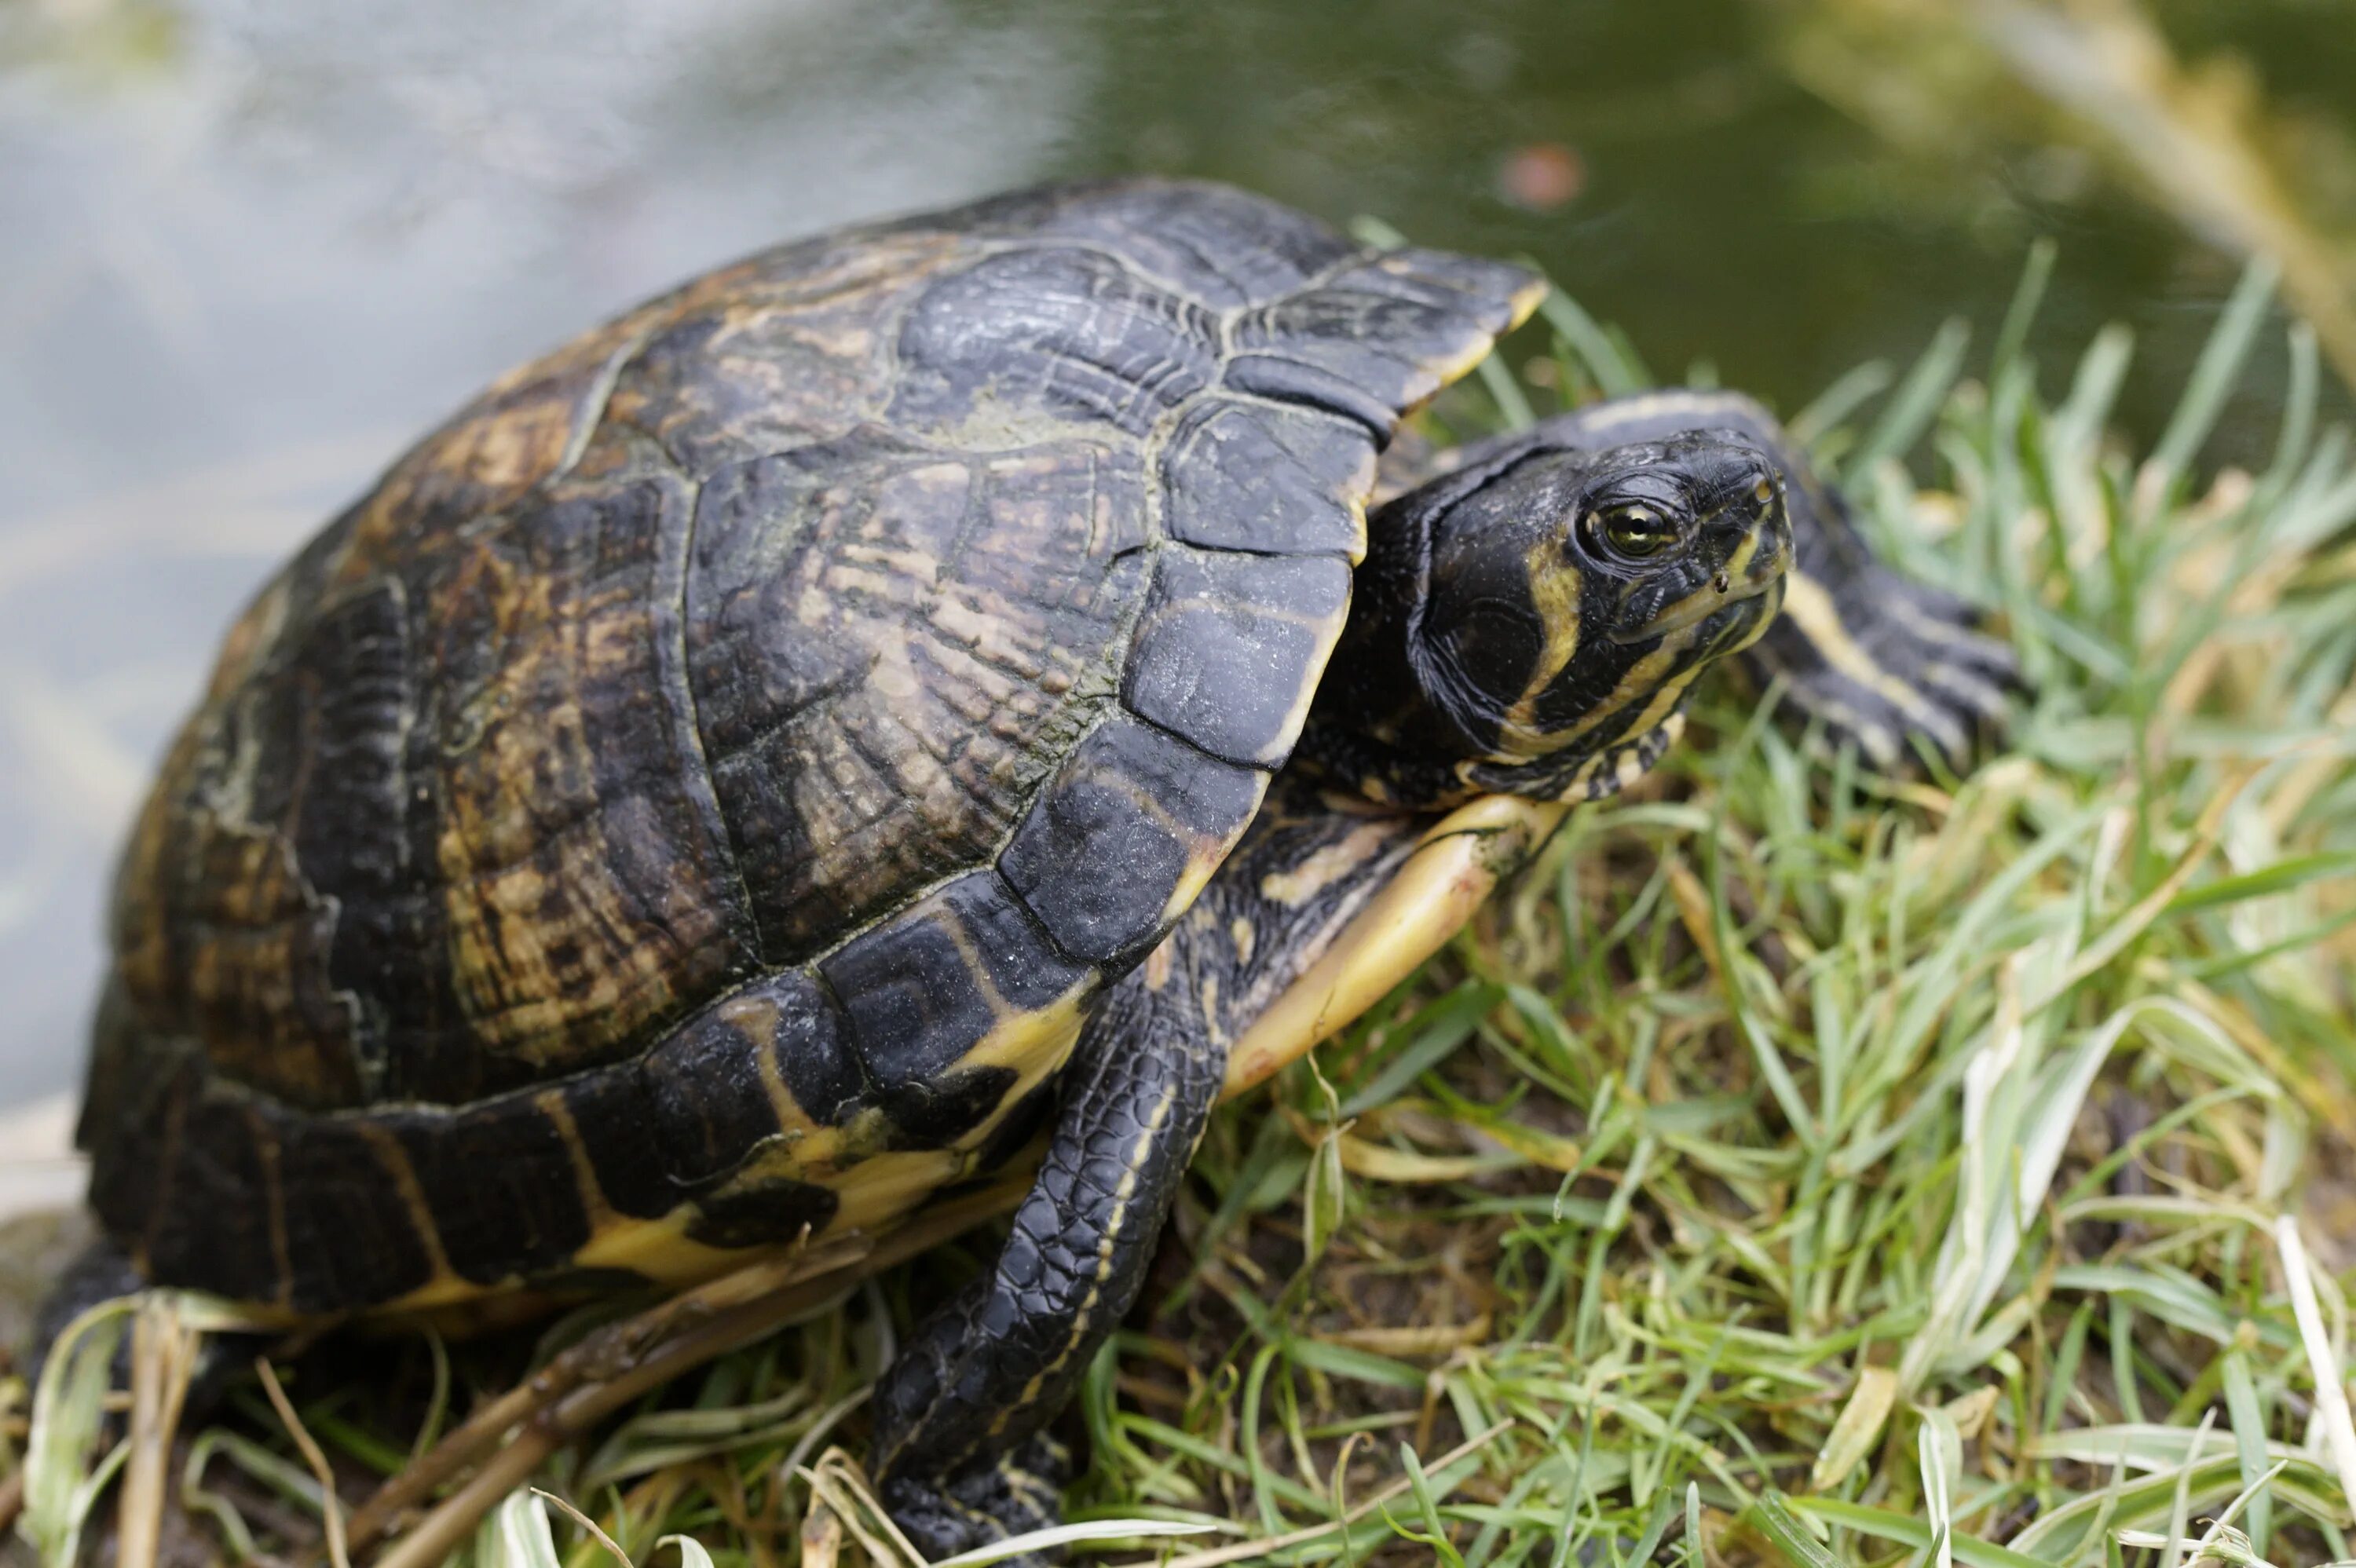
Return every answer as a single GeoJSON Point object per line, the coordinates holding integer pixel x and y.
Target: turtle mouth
{"type": "Point", "coordinates": [1725, 595]}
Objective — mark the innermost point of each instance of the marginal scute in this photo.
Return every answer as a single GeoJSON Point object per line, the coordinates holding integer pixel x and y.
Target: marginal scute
{"type": "Point", "coordinates": [710, 1102]}
{"type": "Point", "coordinates": [803, 1038]}
{"type": "Point", "coordinates": [612, 1114]}
{"type": "Point", "coordinates": [678, 1124]}
{"type": "Point", "coordinates": [938, 1113]}
{"type": "Point", "coordinates": [923, 989]}
{"type": "Point", "coordinates": [347, 1216]}
{"type": "Point", "coordinates": [1137, 798]}
{"type": "Point", "coordinates": [1231, 645]}
{"type": "Point", "coordinates": [1489, 294]}
{"type": "Point", "coordinates": [499, 1182]}
{"type": "Point", "coordinates": [212, 1232]}
{"type": "Point", "coordinates": [1289, 380]}
{"type": "Point", "coordinates": [1396, 327]}
{"type": "Point", "coordinates": [135, 1082]}
{"type": "Point", "coordinates": [1248, 476]}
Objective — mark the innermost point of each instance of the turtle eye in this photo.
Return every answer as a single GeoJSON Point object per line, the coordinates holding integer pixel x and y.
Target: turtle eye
{"type": "Point", "coordinates": [1637, 532]}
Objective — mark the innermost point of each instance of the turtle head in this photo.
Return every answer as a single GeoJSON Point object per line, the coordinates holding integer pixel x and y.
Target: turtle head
{"type": "Point", "coordinates": [1531, 624]}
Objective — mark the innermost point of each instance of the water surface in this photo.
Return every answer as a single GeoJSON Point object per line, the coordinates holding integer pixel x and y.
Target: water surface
{"type": "Point", "coordinates": [247, 248]}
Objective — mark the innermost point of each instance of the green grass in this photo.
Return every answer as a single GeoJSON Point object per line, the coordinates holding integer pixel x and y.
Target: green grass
{"type": "Point", "coordinates": [1793, 1165]}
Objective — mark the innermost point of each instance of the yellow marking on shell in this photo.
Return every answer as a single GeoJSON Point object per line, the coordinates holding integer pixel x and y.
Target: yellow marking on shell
{"type": "Point", "coordinates": [1554, 591]}
{"type": "Point", "coordinates": [1458, 365]}
{"type": "Point", "coordinates": [875, 1187]}
{"type": "Point", "coordinates": [403, 1177]}
{"type": "Point", "coordinates": [551, 1103]}
{"type": "Point", "coordinates": [265, 1147]}
{"type": "Point", "coordinates": [1527, 299]}
{"type": "Point", "coordinates": [1032, 1044]}
{"type": "Point", "coordinates": [1328, 632]}
{"type": "Point", "coordinates": [1450, 870]}
{"type": "Point", "coordinates": [755, 1018]}
{"type": "Point", "coordinates": [1298, 885]}
{"type": "Point", "coordinates": [658, 1249]}
{"type": "Point", "coordinates": [1203, 858]}
{"type": "Point", "coordinates": [873, 1194]}
{"type": "Point", "coordinates": [1363, 485]}
{"type": "Point", "coordinates": [1810, 608]}
{"type": "Point", "coordinates": [1204, 855]}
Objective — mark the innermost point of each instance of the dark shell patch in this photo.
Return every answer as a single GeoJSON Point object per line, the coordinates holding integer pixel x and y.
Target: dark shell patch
{"type": "Point", "coordinates": [215, 1228]}
{"type": "Point", "coordinates": [664, 1131]}
{"type": "Point", "coordinates": [1230, 646]}
{"type": "Point", "coordinates": [1134, 797]}
{"type": "Point", "coordinates": [347, 1218]}
{"type": "Point", "coordinates": [936, 1113]}
{"type": "Point", "coordinates": [498, 1182]}
{"type": "Point", "coordinates": [1063, 333]}
{"type": "Point", "coordinates": [1246, 476]}
{"type": "Point", "coordinates": [763, 1212]}
{"type": "Point", "coordinates": [923, 989]}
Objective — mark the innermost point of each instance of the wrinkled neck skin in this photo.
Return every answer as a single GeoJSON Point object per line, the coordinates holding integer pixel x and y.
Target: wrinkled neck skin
{"type": "Point", "coordinates": [1483, 656]}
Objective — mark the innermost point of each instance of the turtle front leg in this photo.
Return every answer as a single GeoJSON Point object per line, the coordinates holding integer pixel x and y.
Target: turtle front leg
{"type": "Point", "coordinates": [1880, 660]}
{"type": "Point", "coordinates": [960, 1445]}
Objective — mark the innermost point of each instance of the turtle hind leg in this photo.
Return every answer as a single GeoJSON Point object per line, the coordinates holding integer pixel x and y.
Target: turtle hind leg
{"type": "Point", "coordinates": [960, 1448]}
{"type": "Point", "coordinates": [100, 1272]}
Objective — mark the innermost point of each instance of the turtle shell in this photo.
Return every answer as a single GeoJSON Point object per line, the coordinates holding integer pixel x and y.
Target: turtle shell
{"type": "Point", "coordinates": [767, 720]}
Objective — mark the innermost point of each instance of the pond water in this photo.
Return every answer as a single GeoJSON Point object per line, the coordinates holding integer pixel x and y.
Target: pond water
{"type": "Point", "coordinates": [248, 246]}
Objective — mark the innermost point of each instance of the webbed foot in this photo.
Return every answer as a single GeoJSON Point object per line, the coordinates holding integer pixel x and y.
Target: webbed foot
{"type": "Point", "coordinates": [1886, 663]}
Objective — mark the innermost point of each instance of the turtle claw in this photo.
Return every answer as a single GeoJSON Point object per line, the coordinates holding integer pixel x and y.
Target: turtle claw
{"type": "Point", "coordinates": [992, 1501]}
{"type": "Point", "coordinates": [1892, 666]}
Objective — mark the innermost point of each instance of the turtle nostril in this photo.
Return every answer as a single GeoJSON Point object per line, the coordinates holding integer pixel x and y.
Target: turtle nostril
{"type": "Point", "coordinates": [1725, 583]}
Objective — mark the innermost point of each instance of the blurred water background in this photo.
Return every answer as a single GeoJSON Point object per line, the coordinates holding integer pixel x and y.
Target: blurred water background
{"type": "Point", "coordinates": [248, 247]}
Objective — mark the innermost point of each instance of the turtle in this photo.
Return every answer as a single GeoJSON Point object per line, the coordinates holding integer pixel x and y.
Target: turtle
{"type": "Point", "coordinates": [924, 698]}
